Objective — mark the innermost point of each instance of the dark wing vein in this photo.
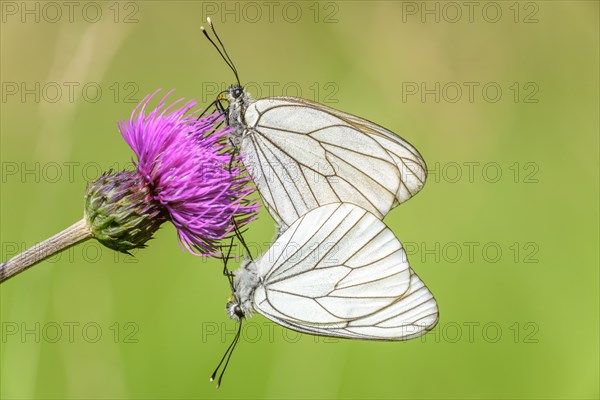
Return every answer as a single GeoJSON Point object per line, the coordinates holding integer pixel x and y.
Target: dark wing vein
{"type": "Point", "coordinates": [282, 185]}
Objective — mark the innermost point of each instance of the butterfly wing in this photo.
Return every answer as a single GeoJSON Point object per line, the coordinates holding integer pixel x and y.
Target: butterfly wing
{"type": "Point", "coordinates": [302, 155]}
{"type": "Point", "coordinates": [407, 158]}
{"type": "Point", "coordinates": [413, 315]}
{"type": "Point", "coordinates": [339, 271]}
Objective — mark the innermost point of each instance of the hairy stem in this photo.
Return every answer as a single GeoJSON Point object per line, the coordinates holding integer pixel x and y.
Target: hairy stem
{"type": "Point", "coordinates": [71, 236]}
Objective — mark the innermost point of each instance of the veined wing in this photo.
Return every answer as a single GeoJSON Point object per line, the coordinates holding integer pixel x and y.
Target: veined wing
{"type": "Point", "coordinates": [339, 271]}
{"type": "Point", "coordinates": [408, 159]}
{"type": "Point", "coordinates": [411, 316]}
{"type": "Point", "coordinates": [302, 155]}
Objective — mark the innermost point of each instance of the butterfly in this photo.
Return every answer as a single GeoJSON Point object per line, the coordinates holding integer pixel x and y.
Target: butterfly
{"type": "Point", "coordinates": [338, 271]}
{"type": "Point", "coordinates": [302, 154]}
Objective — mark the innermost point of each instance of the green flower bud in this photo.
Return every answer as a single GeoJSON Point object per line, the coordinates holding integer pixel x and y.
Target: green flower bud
{"type": "Point", "coordinates": [121, 212]}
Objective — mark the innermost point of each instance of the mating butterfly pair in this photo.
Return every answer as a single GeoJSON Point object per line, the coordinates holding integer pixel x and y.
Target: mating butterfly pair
{"type": "Point", "coordinates": [327, 178]}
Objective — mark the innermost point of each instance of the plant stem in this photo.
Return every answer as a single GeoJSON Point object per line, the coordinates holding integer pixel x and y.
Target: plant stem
{"type": "Point", "coordinates": [71, 236]}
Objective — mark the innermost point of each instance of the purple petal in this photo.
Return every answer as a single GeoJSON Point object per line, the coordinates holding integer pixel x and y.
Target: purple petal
{"type": "Point", "coordinates": [187, 167]}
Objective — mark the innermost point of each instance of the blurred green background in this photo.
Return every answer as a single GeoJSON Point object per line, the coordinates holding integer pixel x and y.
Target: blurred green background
{"type": "Point", "coordinates": [505, 232]}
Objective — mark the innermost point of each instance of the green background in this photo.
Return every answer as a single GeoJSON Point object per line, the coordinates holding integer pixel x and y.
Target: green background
{"type": "Point", "coordinates": [522, 323]}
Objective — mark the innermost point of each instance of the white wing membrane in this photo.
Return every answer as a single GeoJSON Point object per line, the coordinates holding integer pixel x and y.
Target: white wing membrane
{"type": "Point", "coordinates": [412, 166]}
{"type": "Point", "coordinates": [302, 155]}
{"type": "Point", "coordinates": [339, 271]}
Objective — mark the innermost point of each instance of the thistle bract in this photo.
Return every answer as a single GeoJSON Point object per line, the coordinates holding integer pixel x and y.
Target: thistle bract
{"type": "Point", "coordinates": [120, 212]}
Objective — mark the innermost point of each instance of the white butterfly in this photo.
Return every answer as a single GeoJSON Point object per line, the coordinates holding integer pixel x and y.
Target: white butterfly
{"type": "Point", "coordinates": [336, 271]}
{"type": "Point", "coordinates": [302, 154]}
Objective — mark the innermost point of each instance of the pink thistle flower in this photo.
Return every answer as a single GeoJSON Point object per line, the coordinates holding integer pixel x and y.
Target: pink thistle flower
{"type": "Point", "coordinates": [190, 171]}
{"type": "Point", "coordinates": [185, 172]}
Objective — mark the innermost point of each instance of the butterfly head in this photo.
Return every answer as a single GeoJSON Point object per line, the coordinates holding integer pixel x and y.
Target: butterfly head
{"type": "Point", "coordinates": [237, 95]}
{"type": "Point", "coordinates": [239, 303]}
{"type": "Point", "coordinates": [234, 309]}
{"type": "Point", "coordinates": [235, 92]}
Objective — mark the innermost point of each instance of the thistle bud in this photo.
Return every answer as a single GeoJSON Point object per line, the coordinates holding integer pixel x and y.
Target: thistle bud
{"type": "Point", "coordinates": [121, 212]}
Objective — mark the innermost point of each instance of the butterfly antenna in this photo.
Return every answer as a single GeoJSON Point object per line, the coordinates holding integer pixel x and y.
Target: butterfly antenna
{"type": "Point", "coordinates": [217, 47]}
{"type": "Point", "coordinates": [235, 342]}
{"type": "Point", "coordinates": [223, 53]}
{"type": "Point", "coordinates": [238, 233]}
{"type": "Point", "coordinates": [227, 356]}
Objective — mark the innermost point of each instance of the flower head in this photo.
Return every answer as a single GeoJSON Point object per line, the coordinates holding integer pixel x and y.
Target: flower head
{"type": "Point", "coordinates": [190, 171]}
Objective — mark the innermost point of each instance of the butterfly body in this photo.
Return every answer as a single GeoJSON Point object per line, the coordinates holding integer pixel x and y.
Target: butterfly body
{"type": "Point", "coordinates": [246, 278]}
{"type": "Point", "coordinates": [239, 101]}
